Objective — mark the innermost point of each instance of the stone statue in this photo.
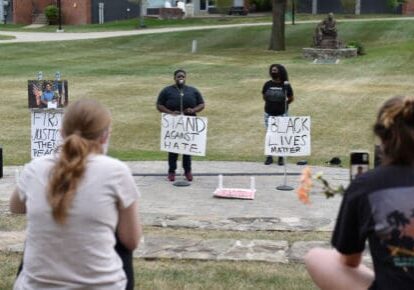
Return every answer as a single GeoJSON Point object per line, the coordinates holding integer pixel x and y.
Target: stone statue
{"type": "Point", "coordinates": [326, 34]}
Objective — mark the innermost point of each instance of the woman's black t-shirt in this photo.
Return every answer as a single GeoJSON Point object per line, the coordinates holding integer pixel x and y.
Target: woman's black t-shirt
{"type": "Point", "coordinates": [378, 206]}
{"type": "Point", "coordinates": [275, 106]}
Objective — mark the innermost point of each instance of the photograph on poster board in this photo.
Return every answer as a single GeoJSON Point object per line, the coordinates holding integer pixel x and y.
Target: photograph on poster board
{"type": "Point", "coordinates": [47, 94]}
{"type": "Point", "coordinates": [183, 134]}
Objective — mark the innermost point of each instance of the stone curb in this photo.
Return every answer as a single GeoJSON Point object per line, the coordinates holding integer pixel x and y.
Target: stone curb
{"type": "Point", "coordinates": [165, 247]}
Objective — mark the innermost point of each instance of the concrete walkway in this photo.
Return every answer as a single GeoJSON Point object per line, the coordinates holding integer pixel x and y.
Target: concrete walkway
{"type": "Point", "coordinates": [194, 207]}
{"type": "Point", "coordinates": [65, 36]}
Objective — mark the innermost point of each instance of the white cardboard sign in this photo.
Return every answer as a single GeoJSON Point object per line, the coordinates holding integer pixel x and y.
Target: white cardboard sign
{"type": "Point", "coordinates": [288, 136]}
{"type": "Point", "coordinates": [183, 134]}
{"type": "Point", "coordinates": [46, 136]}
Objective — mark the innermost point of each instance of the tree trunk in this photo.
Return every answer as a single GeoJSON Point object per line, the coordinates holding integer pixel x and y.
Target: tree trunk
{"type": "Point", "coordinates": [277, 38]}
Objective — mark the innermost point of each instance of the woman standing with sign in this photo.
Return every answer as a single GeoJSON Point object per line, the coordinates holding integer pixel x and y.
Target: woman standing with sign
{"type": "Point", "coordinates": [76, 201]}
{"type": "Point", "coordinates": [277, 94]}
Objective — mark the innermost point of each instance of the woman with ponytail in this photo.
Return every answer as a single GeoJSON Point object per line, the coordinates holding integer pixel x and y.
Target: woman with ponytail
{"type": "Point", "coordinates": [378, 207]}
{"type": "Point", "coordinates": [77, 202]}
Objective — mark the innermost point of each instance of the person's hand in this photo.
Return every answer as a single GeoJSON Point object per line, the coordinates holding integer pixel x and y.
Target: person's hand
{"type": "Point", "coordinates": [189, 111]}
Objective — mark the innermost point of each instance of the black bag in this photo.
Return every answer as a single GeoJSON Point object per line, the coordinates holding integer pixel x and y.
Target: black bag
{"type": "Point", "coordinates": [275, 95]}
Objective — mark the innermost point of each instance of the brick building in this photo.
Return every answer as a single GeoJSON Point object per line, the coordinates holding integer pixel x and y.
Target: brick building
{"type": "Point", "coordinates": [75, 11]}
{"type": "Point", "coordinates": [91, 11]}
{"type": "Point", "coordinates": [408, 8]}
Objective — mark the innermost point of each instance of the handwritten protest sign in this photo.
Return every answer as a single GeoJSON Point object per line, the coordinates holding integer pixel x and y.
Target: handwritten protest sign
{"type": "Point", "coordinates": [184, 134]}
{"type": "Point", "coordinates": [288, 136]}
{"type": "Point", "coordinates": [45, 131]}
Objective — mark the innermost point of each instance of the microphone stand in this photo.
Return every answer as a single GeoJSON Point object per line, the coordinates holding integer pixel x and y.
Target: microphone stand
{"type": "Point", "coordinates": [284, 186]}
{"type": "Point", "coordinates": [181, 182]}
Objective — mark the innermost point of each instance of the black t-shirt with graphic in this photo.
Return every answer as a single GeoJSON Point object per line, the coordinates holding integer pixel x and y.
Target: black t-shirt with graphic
{"type": "Point", "coordinates": [275, 97]}
{"type": "Point", "coordinates": [170, 97]}
{"type": "Point", "coordinates": [378, 206]}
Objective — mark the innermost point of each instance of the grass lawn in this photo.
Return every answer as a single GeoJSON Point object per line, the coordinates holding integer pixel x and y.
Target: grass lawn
{"type": "Point", "coordinates": [229, 68]}
{"type": "Point", "coordinates": [6, 37]}
{"type": "Point", "coordinates": [181, 274]}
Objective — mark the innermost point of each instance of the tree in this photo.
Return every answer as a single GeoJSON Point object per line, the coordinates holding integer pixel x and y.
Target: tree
{"type": "Point", "coordinates": [277, 37]}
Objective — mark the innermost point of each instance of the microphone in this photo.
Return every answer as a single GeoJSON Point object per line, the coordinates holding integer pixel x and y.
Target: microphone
{"type": "Point", "coordinates": [285, 84]}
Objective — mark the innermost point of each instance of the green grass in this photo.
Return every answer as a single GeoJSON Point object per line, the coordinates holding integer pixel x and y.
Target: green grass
{"type": "Point", "coordinates": [182, 274]}
{"type": "Point", "coordinates": [230, 67]}
{"type": "Point", "coordinates": [6, 37]}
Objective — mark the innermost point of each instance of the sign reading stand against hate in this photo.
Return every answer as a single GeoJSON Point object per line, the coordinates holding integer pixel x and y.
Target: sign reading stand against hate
{"type": "Point", "coordinates": [183, 134]}
{"type": "Point", "coordinates": [288, 136]}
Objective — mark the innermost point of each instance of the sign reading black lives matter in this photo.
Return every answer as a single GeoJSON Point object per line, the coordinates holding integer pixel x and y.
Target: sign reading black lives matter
{"type": "Point", "coordinates": [288, 136]}
{"type": "Point", "coordinates": [184, 134]}
{"type": "Point", "coordinates": [46, 131]}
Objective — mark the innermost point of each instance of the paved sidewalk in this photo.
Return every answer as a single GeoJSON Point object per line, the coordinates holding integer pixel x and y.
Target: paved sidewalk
{"type": "Point", "coordinates": [65, 36]}
{"type": "Point", "coordinates": [165, 205]}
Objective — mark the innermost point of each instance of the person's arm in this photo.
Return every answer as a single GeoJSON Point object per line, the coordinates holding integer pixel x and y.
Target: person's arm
{"type": "Point", "coordinates": [264, 89]}
{"type": "Point", "coordinates": [290, 94]}
{"type": "Point", "coordinates": [129, 226]}
{"type": "Point", "coordinates": [196, 109]}
{"type": "Point", "coordinates": [16, 205]}
{"type": "Point", "coordinates": [164, 109]}
{"type": "Point", "coordinates": [352, 260]}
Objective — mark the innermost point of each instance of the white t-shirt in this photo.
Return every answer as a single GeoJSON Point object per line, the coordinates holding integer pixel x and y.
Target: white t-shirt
{"type": "Point", "coordinates": [79, 254]}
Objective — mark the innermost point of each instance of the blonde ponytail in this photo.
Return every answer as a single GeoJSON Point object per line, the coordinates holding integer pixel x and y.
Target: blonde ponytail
{"type": "Point", "coordinates": [85, 123]}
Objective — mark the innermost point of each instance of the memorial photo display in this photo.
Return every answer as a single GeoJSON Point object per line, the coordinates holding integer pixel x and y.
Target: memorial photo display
{"type": "Point", "coordinates": [47, 94]}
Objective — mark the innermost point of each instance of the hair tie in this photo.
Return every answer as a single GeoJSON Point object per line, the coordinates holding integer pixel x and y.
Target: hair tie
{"type": "Point", "coordinates": [78, 133]}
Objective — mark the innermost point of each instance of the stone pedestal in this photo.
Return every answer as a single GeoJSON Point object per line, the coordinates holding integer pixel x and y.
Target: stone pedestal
{"type": "Point", "coordinates": [326, 53]}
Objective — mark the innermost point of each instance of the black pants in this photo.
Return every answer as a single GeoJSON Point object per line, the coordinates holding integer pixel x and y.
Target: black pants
{"type": "Point", "coordinates": [172, 162]}
{"type": "Point", "coordinates": [126, 257]}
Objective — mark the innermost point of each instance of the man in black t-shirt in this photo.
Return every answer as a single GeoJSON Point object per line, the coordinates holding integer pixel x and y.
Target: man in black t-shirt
{"type": "Point", "coordinates": [180, 99]}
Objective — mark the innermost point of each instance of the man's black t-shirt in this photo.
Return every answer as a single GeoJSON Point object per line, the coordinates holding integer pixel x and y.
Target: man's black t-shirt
{"type": "Point", "coordinates": [378, 206]}
{"type": "Point", "coordinates": [170, 97]}
{"type": "Point", "coordinates": [275, 108]}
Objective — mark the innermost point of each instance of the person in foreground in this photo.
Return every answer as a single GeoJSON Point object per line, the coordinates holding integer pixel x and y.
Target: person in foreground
{"type": "Point", "coordinates": [180, 99]}
{"type": "Point", "coordinates": [277, 95]}
{"type": "Point", "coordinates": [77, 201]}
{"type": "Point", "coordinates": [378, 206]}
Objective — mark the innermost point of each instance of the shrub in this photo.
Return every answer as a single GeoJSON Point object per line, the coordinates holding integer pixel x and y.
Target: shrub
{"type": "Point", "coordinates": [223, 6]}
{"type": "Point", "coordinates": [348, 6]}
{"type": "Point", "coordinates": [395, 3]}
{"type": "Point", "coordinates": [51, 13]}
{"type": "Point", "coordinates": [356, 44]}
{"type": "Point", "coordinates": [261, 5]}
